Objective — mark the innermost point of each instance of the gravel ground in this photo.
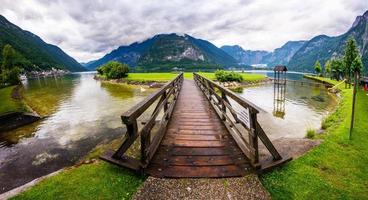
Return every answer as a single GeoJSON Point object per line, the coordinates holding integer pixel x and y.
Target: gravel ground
{"type": "Point", "coordinates": [247, 187]}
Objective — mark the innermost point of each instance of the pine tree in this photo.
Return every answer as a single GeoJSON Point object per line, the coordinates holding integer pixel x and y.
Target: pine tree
{"type": "Point", "coordinates": [351, 52]}
{"type": "Point", "coordinates": [317, 67]}
{"type": "Point", "coordinates": [328, 68]}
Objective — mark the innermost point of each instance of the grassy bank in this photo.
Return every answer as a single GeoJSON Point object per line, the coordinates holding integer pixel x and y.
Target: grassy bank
{"type": "Point", "coordinates": [322, 79]}
{"type": "Point", "coordinates": [96, 180]}
{"type": "Point", "coordinates": [334, 170]}
{"type": "Point", "coordinates": [163, 77]}
{"type": "Point", "coordinates": [89, 181]}
{"type": "Point", "coordinates": [8, 103]}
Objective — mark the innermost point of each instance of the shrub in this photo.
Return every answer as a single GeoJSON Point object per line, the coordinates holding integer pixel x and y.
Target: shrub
{"type": "Point", "coordinates": [237, 89]}
{"type": "Point", "coordinates": [325, 124]}
{"type": "Point", "coordinates": [113, 70]}
{"type": "Point", "coordinates": [225, 76]}
{"type": "Point", "coordinates": [311, 133]}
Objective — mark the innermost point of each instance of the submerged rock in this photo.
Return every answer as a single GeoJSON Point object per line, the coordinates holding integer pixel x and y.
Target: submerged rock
{"type": "Point", "coordinates": [318, 98]}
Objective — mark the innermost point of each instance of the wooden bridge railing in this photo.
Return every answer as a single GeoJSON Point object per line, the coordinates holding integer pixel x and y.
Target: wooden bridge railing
{"type": "Point", "coordinates": [240, 118]}
{"type": "Point", "coordinates": [150, 139]}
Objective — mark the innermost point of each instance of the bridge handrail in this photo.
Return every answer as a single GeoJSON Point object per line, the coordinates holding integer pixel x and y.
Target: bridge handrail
{"type": "Point", "coordinates": [166, 97]}
{"type": "Point", "coordinates": [240, 122]}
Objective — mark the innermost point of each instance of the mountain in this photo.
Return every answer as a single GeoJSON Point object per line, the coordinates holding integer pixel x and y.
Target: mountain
{"type": "Point", "coordinates": [282, 55]}
{"type": "Point", "coordinates": [165, 51]}
{"type": "Point", "coordinates": [246, 57]}
{"type": "Point", "coordinates": [34, 49]}
{"type": "Point", "coordinates": [279, 56]}
{"type": "Point", "coordinates": [324, 47]}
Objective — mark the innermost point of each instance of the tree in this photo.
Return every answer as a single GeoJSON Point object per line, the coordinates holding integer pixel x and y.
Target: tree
{"type": "Point", "coordinates": [337, 68]}
{"type": "Point", "coordinates": [328, 68]}
{"type": "Point", "coordinates": [113, 70]}
{"type": "Point", "coordinates": [317, 67]}
{"type": "Point", "coordinates": [357, 68]}
{"type": "Point", "coordinates": [351, 52]}
{"type": "Point", "coordinates": [9, 57]}
{"type": "Point", "coordinates": [9, 72]}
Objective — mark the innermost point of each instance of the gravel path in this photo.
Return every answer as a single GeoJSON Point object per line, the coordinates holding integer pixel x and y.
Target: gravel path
{"type": "Point", "coordinates": [248, 187]}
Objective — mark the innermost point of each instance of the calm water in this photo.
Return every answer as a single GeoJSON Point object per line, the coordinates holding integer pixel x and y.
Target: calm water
{"type": "Point", "coordinates": [81, 112]}
{"type": "Point", "coordinates": [290, 111]}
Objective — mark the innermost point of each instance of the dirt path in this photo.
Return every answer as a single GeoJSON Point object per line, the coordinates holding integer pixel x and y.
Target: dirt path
{"type": "Point", "coordinates": [247, 187]}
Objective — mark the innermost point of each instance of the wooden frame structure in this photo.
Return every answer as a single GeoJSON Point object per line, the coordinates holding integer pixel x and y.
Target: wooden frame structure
{"type": "Point", "coordinates": [240, 118]}
{"type": "Point", "coordinates": [279, 91]}
{"type": "Point", "coordinates": [153, 129]}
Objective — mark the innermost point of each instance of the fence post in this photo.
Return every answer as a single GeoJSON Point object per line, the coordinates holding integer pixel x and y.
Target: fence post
{"type": "Point", "coordinates": [253, 138]}
{"type": "Point", "coordinates": [223, 107]}
{"type": "Point", "coordinates": [132, 132]}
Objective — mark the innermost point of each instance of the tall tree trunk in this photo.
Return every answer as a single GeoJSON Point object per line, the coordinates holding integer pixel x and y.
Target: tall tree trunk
{"type": "Point", "coordinates": [353, 108]}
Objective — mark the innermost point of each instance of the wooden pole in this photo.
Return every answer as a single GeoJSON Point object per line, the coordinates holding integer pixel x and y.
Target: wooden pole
{"type": "Point", "coordinates": [353, 108]}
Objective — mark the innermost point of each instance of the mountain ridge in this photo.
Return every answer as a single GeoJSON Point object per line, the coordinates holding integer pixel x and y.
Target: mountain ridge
{"type": "Point", "coordinates": [279, 56]}
{"type": "Point", "coordinates": [36, 51]}
{"type": "Point", "coordinates": [164, 50]}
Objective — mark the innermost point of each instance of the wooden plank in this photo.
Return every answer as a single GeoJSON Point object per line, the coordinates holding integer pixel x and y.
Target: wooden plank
{"type": "Point", "coordinates": [187, 143]}
{"type": "Point", "coordinates": [199, 161]}
{"type": "Point", "coordinates": [198, 171]}
{"type": "Point", "coordinates": [196, 137]}
{"type": "Point", "coordinates": [125, 161]}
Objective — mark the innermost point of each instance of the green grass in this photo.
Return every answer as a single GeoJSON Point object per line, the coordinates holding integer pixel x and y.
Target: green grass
{"type": "Point", "coordinates": [89, 181]}
{"type": "Point", "coordinates": [311, 133]}
{"type": "Point", "coordinates": [164, 77]}
{"type": "Point", "coordinates": [323, 79]}
{"type": "Point", "coordinates": [337, 169]}
{"type": "Point", "coordinates": [8, 104]}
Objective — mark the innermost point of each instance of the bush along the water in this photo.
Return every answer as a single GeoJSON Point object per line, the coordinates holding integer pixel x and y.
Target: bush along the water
{"type": "Point", "coordinates": [226, 76]}
{"type": "Point", "coordinates": [311, 133]}
{"type": "Point", "coordinates": [113, 70]}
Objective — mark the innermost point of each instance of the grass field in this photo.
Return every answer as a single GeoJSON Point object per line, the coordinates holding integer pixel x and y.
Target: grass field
{"type": "Point", "coordinates": [163, 77]}
{"type": "Point", "coordinates": [90, 181]}
{"type": "Point", "coordinates": [8, 104]}
{"type": "Point", "coordinates": [337, 169]}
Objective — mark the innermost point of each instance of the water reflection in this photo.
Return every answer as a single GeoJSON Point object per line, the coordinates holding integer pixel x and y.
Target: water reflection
{"type": "Point", "coordinates": [81, 113]}
{"type": "Point", "coordinates": [290, 109]}
{"type": "Point", "coordinates": [279, 93]}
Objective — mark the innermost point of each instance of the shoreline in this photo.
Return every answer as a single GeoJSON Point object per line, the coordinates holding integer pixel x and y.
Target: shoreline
{"type": "Point", "coordinates": [16, 119]}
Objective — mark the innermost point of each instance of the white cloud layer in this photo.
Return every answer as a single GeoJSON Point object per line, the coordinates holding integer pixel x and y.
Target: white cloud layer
{"type": "Point", "coordinates": [88, 29]}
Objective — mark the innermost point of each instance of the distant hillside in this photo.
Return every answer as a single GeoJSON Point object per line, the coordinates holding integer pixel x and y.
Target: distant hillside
{"type": "Point", "coordinates": [323, 47]}
{"type": "Point", "coordinates": [165, 51]}
{"type": "Point", "coordinates": [39, 54]}
{"type": "Point", "coordinates": [246, 57]}
{"type": "Point", "coordinates": [279, 56]}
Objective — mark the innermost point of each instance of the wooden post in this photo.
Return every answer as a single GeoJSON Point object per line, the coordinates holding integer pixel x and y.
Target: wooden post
{"type": "Point", "coordinates": [132, 133]}
{"type": "Point", "coordinates": [223, 107]}
{"type": "Point", "coordinates": [145, 142]}
{"type": "Point", "coordinates": [353, 108]}
{"type": "Point", "coordinates": [253, 138]}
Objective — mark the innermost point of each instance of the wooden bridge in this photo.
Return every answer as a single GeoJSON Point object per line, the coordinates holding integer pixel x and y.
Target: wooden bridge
{"type": "Point", "coordinates": [196, 128]}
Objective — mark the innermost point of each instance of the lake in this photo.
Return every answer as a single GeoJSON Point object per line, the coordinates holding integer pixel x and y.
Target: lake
{"type": "Point", "coordinates": [289, 112]}
{"type": "Point", "coordinates": [81, 112]}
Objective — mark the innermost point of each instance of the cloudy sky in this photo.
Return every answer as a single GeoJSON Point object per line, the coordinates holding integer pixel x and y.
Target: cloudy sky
{"type": "Point", "coordinates": [89, 29]}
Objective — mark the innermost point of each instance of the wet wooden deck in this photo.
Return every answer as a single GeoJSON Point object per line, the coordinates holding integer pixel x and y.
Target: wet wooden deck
{"type": "Point", "coordinates": [196, 143]}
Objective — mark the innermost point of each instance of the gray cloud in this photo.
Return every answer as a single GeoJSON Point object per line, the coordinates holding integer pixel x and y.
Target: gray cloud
{"type": "Point", "coordinates": [89, 29]}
